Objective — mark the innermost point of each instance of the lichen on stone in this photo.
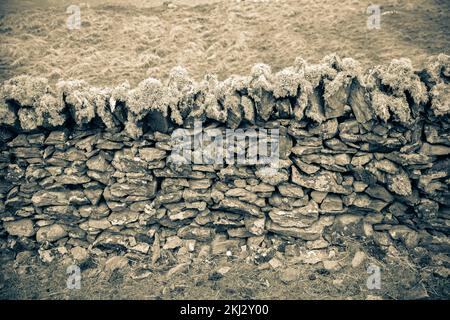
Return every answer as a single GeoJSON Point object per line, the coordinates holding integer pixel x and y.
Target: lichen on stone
{"type": "Point", "coordinates": [50, 111]}
{"type": "Point", "coordinates": [150, 95]}
{"type": "Point", "coordinates": [286, 82]}
{"type": "Point", "coordinates": [212, 92]}
{"type": "Point", "coordinates": [80, 99]}
{"type": "Point", "coordinates": [181, 91]}
{"type": "Point", "coordinates": [440, 97]}
{"type": "Point", "coordinates": [437, 69]}
{"type": "Point", "coordinates": [399, 77]}
{"type": "Point", "coordinates": [24, 90]}
{"type": "Point", "coordinates": [384, 106]}
{"type": "Point", "coordinates": [7, 114]}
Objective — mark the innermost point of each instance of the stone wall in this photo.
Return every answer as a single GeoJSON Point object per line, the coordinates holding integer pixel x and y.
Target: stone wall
{"type": "Point", "coordinates": [363, 154]}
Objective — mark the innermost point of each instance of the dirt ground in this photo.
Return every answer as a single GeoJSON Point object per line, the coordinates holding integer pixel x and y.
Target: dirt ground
{"type": "Point", "coordinates": [401, 277]}
{"type": "Point", "coordinates": [132, 40]}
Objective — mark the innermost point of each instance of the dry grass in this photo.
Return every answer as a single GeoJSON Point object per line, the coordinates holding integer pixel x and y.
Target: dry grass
{"type": "Point", "coordinates": [120, 42]}
{"type": "Point", "coordinates": [400, 279]}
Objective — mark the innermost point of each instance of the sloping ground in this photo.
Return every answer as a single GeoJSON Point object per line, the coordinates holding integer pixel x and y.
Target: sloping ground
{"type": "Point", "coordinates": [402, 277]}
{"type": "Point", "coordinates": [118, 41]}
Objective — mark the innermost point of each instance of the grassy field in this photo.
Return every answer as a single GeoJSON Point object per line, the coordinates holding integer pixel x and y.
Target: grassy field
{"type": "Point", "coordinates": [132, 40]}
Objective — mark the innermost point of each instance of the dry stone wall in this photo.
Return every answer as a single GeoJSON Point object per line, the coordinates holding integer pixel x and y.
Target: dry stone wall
{"type": "Point", "coordinates": [363, 154]}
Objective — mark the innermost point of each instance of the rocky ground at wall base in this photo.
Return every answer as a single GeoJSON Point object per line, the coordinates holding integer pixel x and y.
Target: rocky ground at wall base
{"type": "Point", "coordinates": [334, 273]}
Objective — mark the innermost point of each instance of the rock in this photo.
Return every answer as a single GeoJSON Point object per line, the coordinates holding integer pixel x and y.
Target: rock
{"type": "Point", "coordinates": [400, 184]}
{"type": "Point", "coordinates": [195, 233]}
{"type": "Point", "coordinates": [275, 263]}
{"type": "Point", "coordinates": [196, 195]}
{"type": "Point", "coordinates": [358, 259]}
{"type": "Point", "coordinates": [304, 150]}
{"type": "Point", "coordinates": [182, 215]}
{"type": "Point", "coordinates": [359, 186]}
{"type": "Point", "coordinates": [242, 194]}
{"type": "Point", "coordinates": [14, 173]}
{"type": "Point", "coordinates": [289, 274]}
{"type": "Point", "coordinates": [331, 265]}
{"type": "Point", "coordinates": [68, 179]}
{"type": "Point", "coordinates": [172, 242]}
{"type": "Point", "coordinates": [364, 203]}
{"type": "Point", "coordinates": [332, 203]}
{"type": "Point", "coordinates": [51, 233]}
{"type": "Point", "coordinates": [305, 167]}
{"type": "Point", "coordinates": [314, 232]}
{"type": "Point", "coordinates": [114, 240]}
{"type": "Point", "coordinates": [262, 187]}
{"type": "Point", "coordinates": [223, 270]}
{"type": "Point", "coordinates": [46, 256]}
{"type": "Point", "coordinates": [180, 268]}
{"type": "Point", "coordinates": [94, 224]}
{"type": "Point", "coordinates": [140, 274]}
{"type": "Point", "coordinates": [20, 228]}
{"type": "Point", "coordinates": [234, 205]}
{"type": "Point", "coordinates": [255, 226]}
{"type": "Point", "coordinates": [373, 297]}
{"type": "Point", "coordinates": [379, 192]}
{"type": "Point", "coordinates": [126, 160]}
{"type": "Point", "coordinates": [427, 209]}
{"type": "Point", "coordinates": [324, 181]}
{"type": "Point", "coordinates": [165, 198]}
{"type": "Point", "coordinates": [64, 197]}
{"type": "Point", "coordinates": [190, 245]}
{"type": "Point", "coordinates": [358, 101]}
{"type": "Point", "coordinates": [99, 163]}
{"type": "Point", "coordinates": [36, 173]}
{"type": "Point", "coordinates": [156, 249]}
{"type": "Point", "coordinates": [434, 150]}
{"type": "Point", "coordinates": [7, 115]}
{"type": "Point", "coordinates": [71, 154]}
{"type": "Point", "coordinates": [408, 236]}
{"type": "Point", "coordinates": [80, 254]}
{"type": "Point", "coordinates": [137, 188]}
{"type": "Point", "coordinates": [299, 217]}
{"type": "Point", "coordinates": [201, 184]}
{"type": "Point", "coordinates": [115, 263]}
{"type": "Point", "coordinates": [318, 196]}
{"type": "Point", "coordinates": [361, 160]}
{"type": "Point", "coordinates": [93, 193]}
{"type": "Point", "coordinates": [317, 244]}
{"type": "Point", "coordinates": [291, 190]}
{"type": "Point", "coordinates": [123, 217]}
{"type": "Point", "coordinates": [152, 154]}
{"type": "Point", "coordinates": [57, 138]}
{"type": "Point", "coordinates": [272, 176]}
{"type": "Point", "coordinates": [347, 225]}
{"type": "Point", "coordinates": [336, 96]}
{"type": "Point", "coordinates": [141, 247]}
{"type": "Point", "coordinates": [222, 245]}
{"type": "Point", "coordinates": [442, 272]}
